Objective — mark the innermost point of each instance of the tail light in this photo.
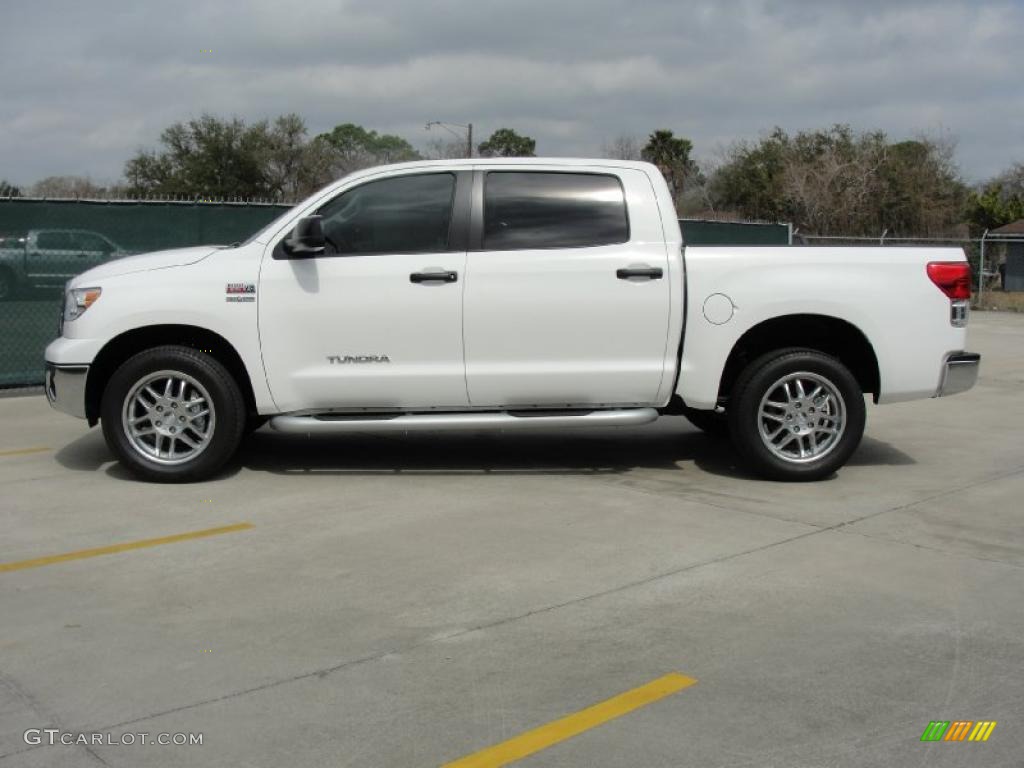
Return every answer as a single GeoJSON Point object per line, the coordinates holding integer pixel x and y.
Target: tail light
{"type": "Point", "coordinates": [953, 278]}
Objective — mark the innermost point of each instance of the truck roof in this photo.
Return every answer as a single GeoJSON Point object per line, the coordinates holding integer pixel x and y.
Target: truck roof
{"type": "Point", "coordinates": [511, 162]}
{"type": "Point", "coordinates": [66, 229]}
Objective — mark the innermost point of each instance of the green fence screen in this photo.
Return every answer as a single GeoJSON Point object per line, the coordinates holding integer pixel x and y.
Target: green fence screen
{"type": "Point", "coordinates": [705, 232]}
{"type": "Point", "coordinates": [43, 243]}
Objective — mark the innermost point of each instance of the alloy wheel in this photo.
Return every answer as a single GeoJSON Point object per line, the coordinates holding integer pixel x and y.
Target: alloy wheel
{"type": "Point", "coordinates": [801, 417]}
{"type": "Point", "coordinates": [168, 417]}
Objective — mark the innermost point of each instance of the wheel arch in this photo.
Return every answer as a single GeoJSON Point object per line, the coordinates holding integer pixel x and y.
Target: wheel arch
{"type": "Point", "coordinates": [127, 344]}
{"type": "Point", "coordinates": [824, 333]}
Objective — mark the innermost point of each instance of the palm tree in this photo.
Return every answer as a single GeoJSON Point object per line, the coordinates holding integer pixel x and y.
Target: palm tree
{"type": "Point", "coordinates": [672, 156]}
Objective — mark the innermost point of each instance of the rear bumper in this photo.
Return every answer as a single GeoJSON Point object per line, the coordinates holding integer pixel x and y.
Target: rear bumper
{"type": "Point", "coordinates": [65, 388]}
{"type": "Point", "coordinates": [959, 373]}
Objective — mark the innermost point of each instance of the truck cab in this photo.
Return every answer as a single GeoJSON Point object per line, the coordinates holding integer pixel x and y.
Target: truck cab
{"type": "Point", "coordinates": [524, 287]}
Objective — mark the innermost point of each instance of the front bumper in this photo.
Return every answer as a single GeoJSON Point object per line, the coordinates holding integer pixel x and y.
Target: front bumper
{"type": "Point", "coordinates": [959, 373]}
{"type": "Point", "coordinates": [65, 388]}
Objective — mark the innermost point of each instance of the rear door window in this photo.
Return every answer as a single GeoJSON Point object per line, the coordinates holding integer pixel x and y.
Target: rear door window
{"type": "Point", "coordinates": [535, 209]}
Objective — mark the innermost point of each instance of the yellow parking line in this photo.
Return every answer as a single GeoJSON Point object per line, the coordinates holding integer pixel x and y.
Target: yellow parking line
{"type": "Point", "coordinates": [97, 551]}
{"type": "Point", "coordinates": [527, 743]}
{"type": "Point", "coordinates": [24, 451]}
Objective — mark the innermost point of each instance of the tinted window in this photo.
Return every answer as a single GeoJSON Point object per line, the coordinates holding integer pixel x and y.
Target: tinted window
{"type": "Point", "coordinates": [552, 210]}
{"type": "Point", "coordinates": [88, 241]}
{"type": "Point", "coordinates": [54, 241]}
{"type": "Point", "coordinates": [406, 214]}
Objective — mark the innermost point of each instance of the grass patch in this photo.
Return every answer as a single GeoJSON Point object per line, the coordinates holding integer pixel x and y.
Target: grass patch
{"type": "Point", "coordinates": [1001, 302]}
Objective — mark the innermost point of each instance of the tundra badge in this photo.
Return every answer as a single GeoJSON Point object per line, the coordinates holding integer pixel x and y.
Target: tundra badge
{"type": "Point", "coordinates": [346, 359]}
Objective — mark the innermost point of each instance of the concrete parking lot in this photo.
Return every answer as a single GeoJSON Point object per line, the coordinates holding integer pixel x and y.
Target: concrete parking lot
{"type": "Point", "coordinates": [409, 601]}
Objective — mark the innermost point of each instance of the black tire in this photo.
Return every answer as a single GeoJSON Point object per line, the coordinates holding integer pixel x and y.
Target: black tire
{"type": "Point", "coordinates": [759, 379]}
{"type": "Point", "coordinates": [226, 427]}
{"type": "Point", "coordinates": [715, 425]}
{"type": "Point", "coordinates": [254, 422]}
{"type": "Point", "coordinates": [8, 285]}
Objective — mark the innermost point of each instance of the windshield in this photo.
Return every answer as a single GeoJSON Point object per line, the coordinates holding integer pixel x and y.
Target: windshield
{"type": "Point", "coordinates": [274, 224]}
{"type": "Point", "coordinates": [264, 232]}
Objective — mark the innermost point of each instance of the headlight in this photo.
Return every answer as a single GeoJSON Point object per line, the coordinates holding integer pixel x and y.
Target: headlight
{"type": "Point", "coordinates": [78, 300]}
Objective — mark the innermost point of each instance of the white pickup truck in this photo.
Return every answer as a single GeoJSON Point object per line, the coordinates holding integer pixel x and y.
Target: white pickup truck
{"type": "Point", "coordinates": [503, 294]}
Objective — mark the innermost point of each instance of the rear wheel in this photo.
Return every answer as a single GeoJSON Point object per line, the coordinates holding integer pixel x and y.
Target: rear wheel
{"type": "Point", "coordinates": [172, 414]}
{"type": "Point", "coordinates": [796, 414]}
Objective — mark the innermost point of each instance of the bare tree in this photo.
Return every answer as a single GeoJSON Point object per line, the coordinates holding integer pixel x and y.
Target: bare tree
{"type": "Point", "coordinates": [834, 187]}
{"type": "Point", "coordinates": [839, 181]}
{"type": "Point", "coordinates": [623, 147]}
{"type": "Point", "coordinates": [285, 158]}
{"type": "Point", "coordinates": [697, 198]}
{"type": "Point", "coordinates": [1011, 181]}
{"type": "Point", "coordinates": [67, 186]}
{"type": "Point", "coordinates": [444, 149]}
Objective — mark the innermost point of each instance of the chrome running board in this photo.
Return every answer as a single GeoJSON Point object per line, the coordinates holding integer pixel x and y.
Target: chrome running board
{"type": "Point", "coordinates": [337, 423]}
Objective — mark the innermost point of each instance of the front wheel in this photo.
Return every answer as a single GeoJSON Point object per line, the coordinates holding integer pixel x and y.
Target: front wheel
{"type": "Point", "coordinates": [796, 414]}
{"type": "Point", "coordinates": [172, 414]}
{"type": "Point", "coordinates": [712, 423]}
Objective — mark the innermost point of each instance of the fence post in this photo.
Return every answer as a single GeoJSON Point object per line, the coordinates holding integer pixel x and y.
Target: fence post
{"type": "Point", "coordinates": [981, 268]}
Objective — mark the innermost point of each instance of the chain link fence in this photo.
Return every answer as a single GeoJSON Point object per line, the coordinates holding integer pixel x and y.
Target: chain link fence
{"type": "Point", "coordinates": [997, 261]}
{"type": "Point", "coordinates": [43, 243]}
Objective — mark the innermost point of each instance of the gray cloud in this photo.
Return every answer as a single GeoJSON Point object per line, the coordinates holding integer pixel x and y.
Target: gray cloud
{"type": "Point", "coordinates": [86, 84]}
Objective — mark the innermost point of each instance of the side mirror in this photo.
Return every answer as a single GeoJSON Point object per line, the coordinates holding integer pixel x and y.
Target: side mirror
{"type": "Point", "coordinates": [307, 239]}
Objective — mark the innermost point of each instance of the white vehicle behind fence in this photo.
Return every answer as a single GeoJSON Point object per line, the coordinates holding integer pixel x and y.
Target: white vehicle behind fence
{"type": "Point", "coordinates": [503, 294]}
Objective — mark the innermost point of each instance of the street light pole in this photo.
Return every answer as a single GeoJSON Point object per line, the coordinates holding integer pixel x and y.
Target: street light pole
{"type": "Point", "coordinates": [468, 128]}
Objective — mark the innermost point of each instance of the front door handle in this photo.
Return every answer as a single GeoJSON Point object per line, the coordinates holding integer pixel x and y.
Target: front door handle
{"type": "Point", "coordinates": [639, 270]}
{"type": "Point", "coordinates": [434, 276]}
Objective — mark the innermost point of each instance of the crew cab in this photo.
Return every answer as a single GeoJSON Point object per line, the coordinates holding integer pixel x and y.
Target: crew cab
{"type": "Point", "coordinates": [46, 258]}
{"type": "Point", "coordinates": [503, 294]}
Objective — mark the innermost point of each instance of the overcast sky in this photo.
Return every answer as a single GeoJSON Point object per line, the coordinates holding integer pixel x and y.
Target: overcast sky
{"type": "Point", "coordinates": [85, 84]}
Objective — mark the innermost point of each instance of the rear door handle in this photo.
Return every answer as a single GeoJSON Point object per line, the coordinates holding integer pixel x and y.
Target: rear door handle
{"type": "Point", "coordinates": [434, 276]}
{"type": "Point", "coordinates": [639, 270]}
